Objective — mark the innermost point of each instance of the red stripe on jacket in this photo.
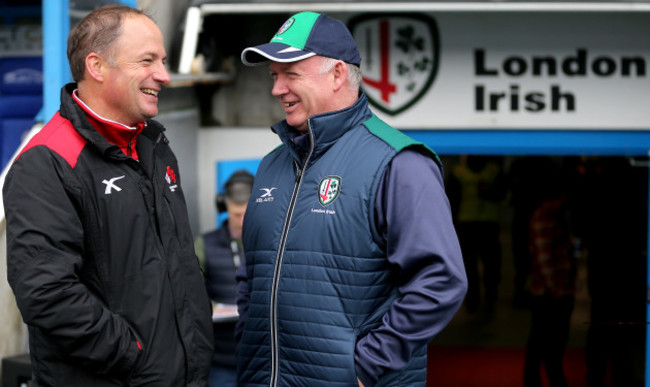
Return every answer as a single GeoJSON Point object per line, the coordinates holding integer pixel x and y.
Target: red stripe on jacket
{"type": "Point", "coordinates": [59, 136]}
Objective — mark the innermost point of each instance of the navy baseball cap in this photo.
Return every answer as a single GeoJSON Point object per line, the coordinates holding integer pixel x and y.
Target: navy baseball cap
{"type": "Point", "coordinates": [304, 35]}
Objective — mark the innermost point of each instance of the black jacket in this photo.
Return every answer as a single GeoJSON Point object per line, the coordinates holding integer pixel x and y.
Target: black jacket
{"type": "Point", "coordinates": [100, 258]}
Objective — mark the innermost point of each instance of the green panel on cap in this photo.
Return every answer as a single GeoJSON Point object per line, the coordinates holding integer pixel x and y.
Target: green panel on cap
{"type": "Point", "coordinates": [295, 31]}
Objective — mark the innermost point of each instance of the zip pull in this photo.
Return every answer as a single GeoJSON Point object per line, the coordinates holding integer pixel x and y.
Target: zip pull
{"type": "Point", "coordinates": [161, 136]}
{"type": "Point", "coordinates": [299, 171]}
{"type": "Point", "coordinates": [298, 175]}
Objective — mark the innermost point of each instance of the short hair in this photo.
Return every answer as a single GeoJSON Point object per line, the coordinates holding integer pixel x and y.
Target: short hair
{"type": "Point", "coordinates": [239, 186]}
{"type": "Point", "coordinates": [97, 32]}
{"type": "Point", "coordinates": [238, 190]}
{"type": "Point", "coordinates": [354, 72]}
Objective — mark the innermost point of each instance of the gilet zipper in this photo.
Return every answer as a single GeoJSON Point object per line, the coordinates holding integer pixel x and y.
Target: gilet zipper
{"type": "Point", "coordinates": [278, 263]}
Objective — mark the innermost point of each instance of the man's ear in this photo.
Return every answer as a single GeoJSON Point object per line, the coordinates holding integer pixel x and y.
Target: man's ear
{"type": "Point", "coordinates": [95, 66]}
{"type": "Point", "coordinates": [340, 73]}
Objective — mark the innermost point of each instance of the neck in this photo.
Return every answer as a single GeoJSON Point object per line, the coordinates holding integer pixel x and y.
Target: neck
{"type": "Point", "coordinates": [234, 233]}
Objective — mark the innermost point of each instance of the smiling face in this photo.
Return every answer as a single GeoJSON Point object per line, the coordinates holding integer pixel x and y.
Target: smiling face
{"type": "Point", "coordinates": [134, 73]}
{"type": "Point", "coordinates": [304, 91]}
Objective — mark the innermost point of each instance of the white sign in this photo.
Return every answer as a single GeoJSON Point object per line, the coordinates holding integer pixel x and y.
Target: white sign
{"type": "Point", "coordinates": [506, 70]}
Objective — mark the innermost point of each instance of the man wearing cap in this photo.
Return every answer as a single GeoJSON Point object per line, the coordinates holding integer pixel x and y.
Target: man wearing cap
{"type": "Point", "coordinates": [353, 263]}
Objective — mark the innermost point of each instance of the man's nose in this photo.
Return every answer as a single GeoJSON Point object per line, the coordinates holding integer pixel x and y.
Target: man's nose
{"type": "Point", "coordinates": [279, 88]}
{"type": "Point", "coordinates": [162, 75]}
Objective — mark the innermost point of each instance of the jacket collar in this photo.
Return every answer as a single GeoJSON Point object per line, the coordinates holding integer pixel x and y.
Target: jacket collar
{"type": "Point", "coordinates": [123, 136]}
{"type": "Point", "coordinates": [324, 129]}
{"type": "Point", "coordinates": [104, 134]}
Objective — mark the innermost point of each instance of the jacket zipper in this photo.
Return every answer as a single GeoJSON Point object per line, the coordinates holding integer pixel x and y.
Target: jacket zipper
{"type": "Point", "coordinates": [278, 263]}
{"type": "Point", "coordinates": [154, 187]}
{"type": "Point", "coordinates": [129, 146]}
{"type": "Point", "coordinates": [168, 204]}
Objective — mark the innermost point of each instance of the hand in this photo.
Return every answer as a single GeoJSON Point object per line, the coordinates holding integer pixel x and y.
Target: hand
{"type": "Point", "coordinates": [360, 384]}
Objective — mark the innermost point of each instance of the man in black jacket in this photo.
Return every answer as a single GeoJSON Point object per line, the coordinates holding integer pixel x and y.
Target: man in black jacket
{"type": "Point", "coordinates": [100, 254]}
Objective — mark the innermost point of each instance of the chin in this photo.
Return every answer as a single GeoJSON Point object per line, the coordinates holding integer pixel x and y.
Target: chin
{"type": "Point", "coordinates": [299, 126]}
{"type": "Point", "coordinates": [149, 115]}
{"type": "Point", "coordinates": [296, 122]}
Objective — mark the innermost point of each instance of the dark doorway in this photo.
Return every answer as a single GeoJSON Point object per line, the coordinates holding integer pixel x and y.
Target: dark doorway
{"type": "Point", "coordinates": [606, 203]}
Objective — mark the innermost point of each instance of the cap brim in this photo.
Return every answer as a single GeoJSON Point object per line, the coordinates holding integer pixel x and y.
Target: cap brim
{"type": "Point", "coordinates": [276, 52]}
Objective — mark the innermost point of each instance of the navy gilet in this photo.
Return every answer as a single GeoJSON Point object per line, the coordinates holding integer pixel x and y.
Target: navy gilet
{"type": "Point", "coordinates": [317, 268]}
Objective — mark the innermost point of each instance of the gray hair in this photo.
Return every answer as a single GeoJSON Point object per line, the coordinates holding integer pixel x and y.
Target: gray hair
{"type": "Point", "coordinates": [354, 72]}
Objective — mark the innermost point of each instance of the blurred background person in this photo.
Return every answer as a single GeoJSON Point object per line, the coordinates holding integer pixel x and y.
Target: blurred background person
{"type": "Point", "coordinates": [524, 199]}
{"type": "Point", "coordinates": [553, 281]}
{"type": "Point", "coordinates": [221, 253]}
{"type": "Point", "coordinates": [476, 190]}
